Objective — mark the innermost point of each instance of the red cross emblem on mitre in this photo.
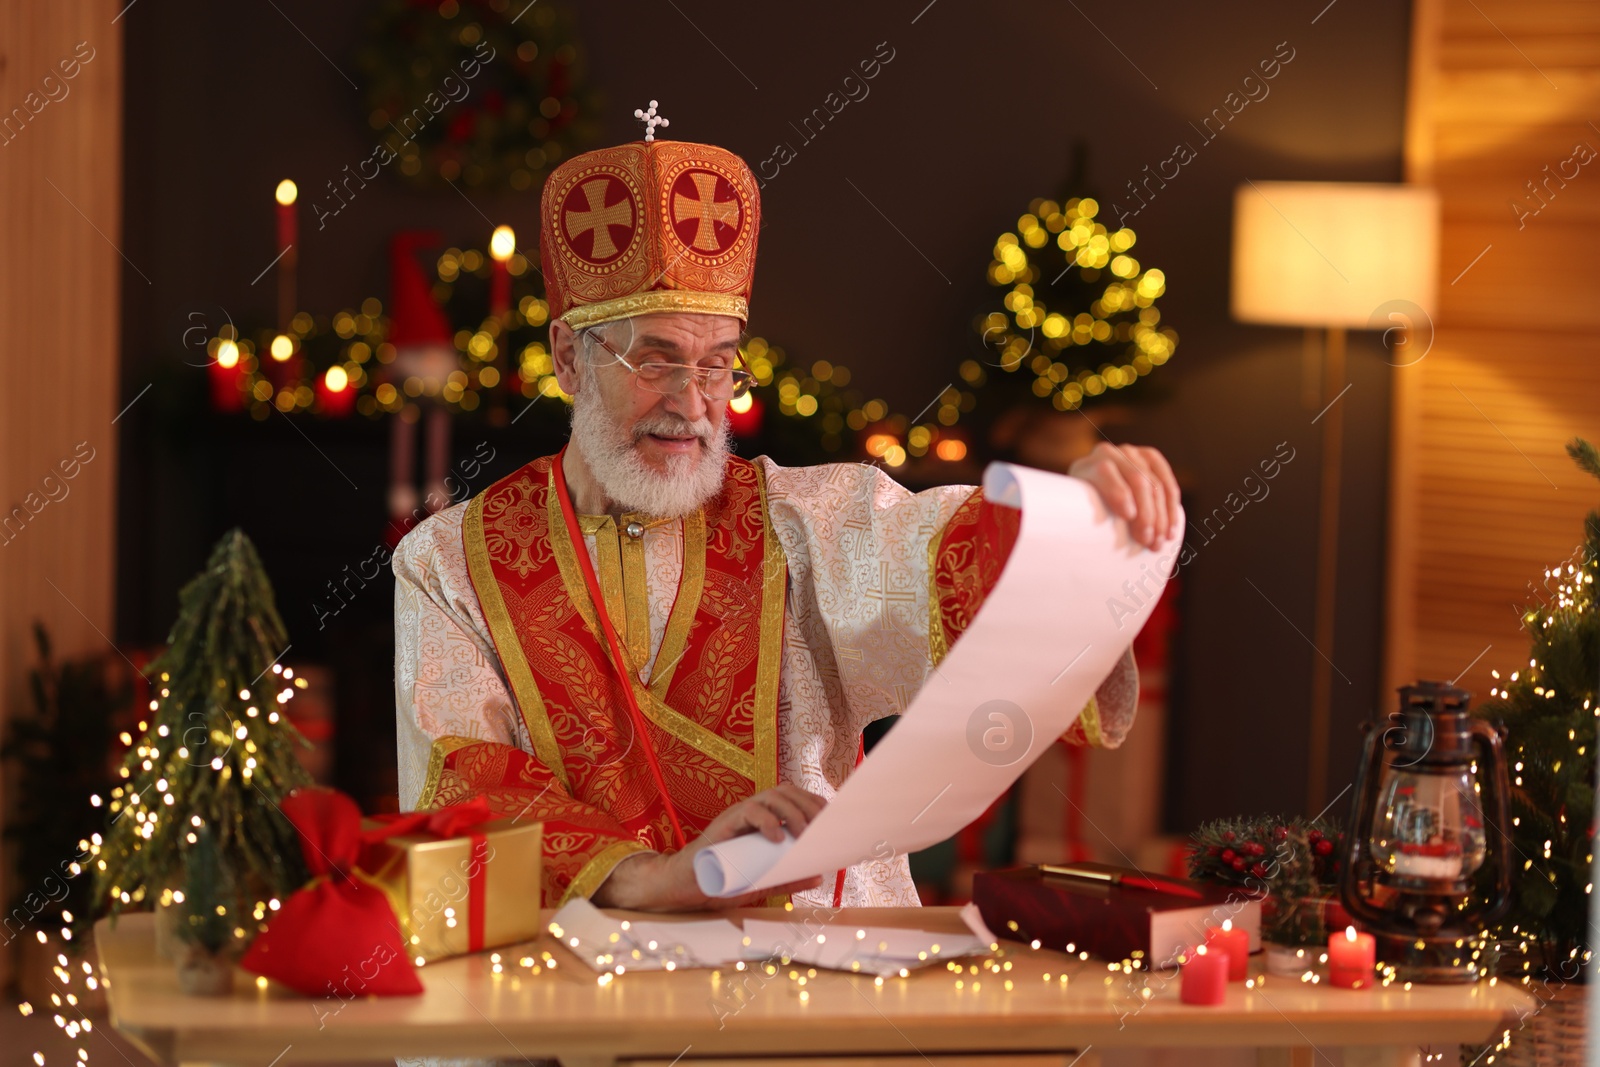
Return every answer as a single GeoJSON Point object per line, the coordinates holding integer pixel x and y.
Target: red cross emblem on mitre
{"type": "Point", "coordinates": [649, 226]}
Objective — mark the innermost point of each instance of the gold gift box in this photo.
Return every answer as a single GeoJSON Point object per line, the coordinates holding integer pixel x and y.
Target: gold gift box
{"type": "Point", "coordinates": [427, 880]}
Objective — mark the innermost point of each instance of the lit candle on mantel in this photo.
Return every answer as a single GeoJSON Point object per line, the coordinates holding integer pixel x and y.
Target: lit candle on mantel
{"type": "Point", "coordinates": [1236, 943]}
{"type": "Point", "coordinates": [284, 367]}
{"type": "Point", "coordinates": [227, 377]}
{"type": "Point", "coordinates": [335, 395]}
{"type": "Point", "coordinates": [1351, 959]}
{"type": "Point", "coordinates": [744, 415]}
{"type": "Point", "coordinates": [288, 237]}
{"type": "Point", "coordinates": [501, 246]}
{"type": "Point", "coordinates": [1204, 977]}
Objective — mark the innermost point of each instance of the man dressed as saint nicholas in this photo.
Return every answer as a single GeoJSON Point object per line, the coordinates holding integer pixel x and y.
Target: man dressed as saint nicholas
{"type": "Point", "coordinates": [652, 645]}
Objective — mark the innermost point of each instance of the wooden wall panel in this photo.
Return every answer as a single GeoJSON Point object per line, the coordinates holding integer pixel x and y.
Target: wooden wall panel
{"type": "Point", "coordinates": [1484, 495]}
{"type": "Point", "coordinates": [60, 217]}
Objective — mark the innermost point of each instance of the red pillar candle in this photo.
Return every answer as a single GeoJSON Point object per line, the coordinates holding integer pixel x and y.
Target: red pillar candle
{"type": "Point", "coordinates": [335, 395]}
{"type": "Point", "coordinates": [1352, 957]}
{"type": "Point", "coordinates": [1236, 943]}
{"type": "Point", "coordinates": [288, 254]}
{"type": "Point", "coordinates": [501, 246]}
{"type": "Point", "coordinates": [288, 226]}
{"type": "Point", "coordinates": [227, 377]}
{"type": "Point", "coordinates": [744, 415]}
{"type": "Point", "coordinates": [282, 363]}
{"type": "Point", "coordinates": [1205, 977]}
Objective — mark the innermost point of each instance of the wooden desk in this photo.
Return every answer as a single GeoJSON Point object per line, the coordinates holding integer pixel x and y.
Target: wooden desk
{"type": "Point", "coordinates": [468, 1010]}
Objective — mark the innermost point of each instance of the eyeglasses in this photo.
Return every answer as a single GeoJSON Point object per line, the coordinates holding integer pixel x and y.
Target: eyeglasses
{"type": "Point", "coordinates": [659, 376]}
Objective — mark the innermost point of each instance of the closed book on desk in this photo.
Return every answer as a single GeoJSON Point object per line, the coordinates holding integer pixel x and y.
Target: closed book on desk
{"type": "Point", "coordinates": [1109, 921]}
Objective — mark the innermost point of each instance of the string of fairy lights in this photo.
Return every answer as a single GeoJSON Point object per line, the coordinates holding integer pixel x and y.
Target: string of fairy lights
{"type": "Point", "coordinates": [76, 981]}
{"type": "Point", "coordinates": [1574, 591]}
{"type": "Point", "coordinates": [146, 755]}
{"type": "Point", "coordinates": [498, 367]}
{"type": "Point", "coordinates": [1101, 331]}
{"type": "Point", "coordinates": [1002, 972]}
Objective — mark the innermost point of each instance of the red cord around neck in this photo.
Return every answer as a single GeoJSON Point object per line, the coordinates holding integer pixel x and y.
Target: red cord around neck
{"type": "Point", "coordinates": [581, 550]}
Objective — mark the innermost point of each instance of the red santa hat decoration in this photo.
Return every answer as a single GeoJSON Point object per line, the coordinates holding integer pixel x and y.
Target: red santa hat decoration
{"type": "Point", "coordinates": [424, 349]}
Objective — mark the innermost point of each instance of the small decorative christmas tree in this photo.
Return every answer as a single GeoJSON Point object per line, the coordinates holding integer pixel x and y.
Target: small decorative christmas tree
{"type": "Point", "coordinates": [206, 887]}
{"type": "Point", "coordinates": [217, 752]}
{"type": "Point", "coordinates": [206, 923]}
{"type": "Point", "coordinates": [1548, 711]}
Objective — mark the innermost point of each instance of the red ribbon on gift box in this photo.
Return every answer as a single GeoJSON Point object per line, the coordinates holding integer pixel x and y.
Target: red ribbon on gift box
{"type": "Point", "coordinates": [339, 935]}
{"type": "Point", "coordinates": [457, 820]}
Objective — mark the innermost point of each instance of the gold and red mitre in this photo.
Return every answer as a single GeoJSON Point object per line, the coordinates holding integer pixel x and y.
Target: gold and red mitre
{"type": "Point", "coordinates": [649, 226]}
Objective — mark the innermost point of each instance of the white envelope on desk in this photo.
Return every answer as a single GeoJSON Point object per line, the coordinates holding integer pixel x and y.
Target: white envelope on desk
{"type": "Point", "coordinates": [1072, 596]}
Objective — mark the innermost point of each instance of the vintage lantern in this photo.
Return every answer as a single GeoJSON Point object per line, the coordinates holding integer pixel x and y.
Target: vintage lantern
{"type": "Point", "coordinates": [1430, 811]}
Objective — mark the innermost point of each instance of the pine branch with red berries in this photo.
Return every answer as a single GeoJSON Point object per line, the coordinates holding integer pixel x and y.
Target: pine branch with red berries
{"type": "Point", "coordinates": [1291, 862]}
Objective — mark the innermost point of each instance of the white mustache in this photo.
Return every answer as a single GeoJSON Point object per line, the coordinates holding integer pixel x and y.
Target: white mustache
{"type": "Point", "coordinates": [667, 426]}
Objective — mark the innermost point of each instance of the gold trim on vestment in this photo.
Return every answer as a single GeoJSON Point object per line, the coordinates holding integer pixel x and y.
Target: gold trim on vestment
{"type": "Point", "coordinates": [509, 646]}
{"type": "Point", "coordinates": [438, 752]}
{"type": "Point", "coordinates": [608, 572]}
{"type": "Point", "coordinates": [567, 561]}
{"type": "Point", "coordinates": [623, 307]}
{"type": "Point", "coordinates": [1090, 718]}
{"type": "Point", "coordinates": [597, 870]}
{"type": "Point", "coordinates": [706, 742]}
{"type": "Point", "coordinates": [635, 599]}
{"type": "Point", "coordinates": [938, 643]}
{"type": "Point", "coordinates": [774, 587]}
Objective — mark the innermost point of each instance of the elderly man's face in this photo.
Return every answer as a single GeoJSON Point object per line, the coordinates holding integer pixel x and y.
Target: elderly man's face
{"type": "Point", "coordinates": [662, 453]}
{"type": "Point", "coordinates": [646, 417]}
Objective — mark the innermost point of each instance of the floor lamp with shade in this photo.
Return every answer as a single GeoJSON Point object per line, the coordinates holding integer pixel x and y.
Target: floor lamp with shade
{"type": "Point", "coordinates": [1333, 256]}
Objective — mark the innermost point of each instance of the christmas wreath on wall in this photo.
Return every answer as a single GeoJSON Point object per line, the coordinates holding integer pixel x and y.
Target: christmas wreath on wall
{"type": "Point", "coordinates": [486, 92]}
{"type": "Point", "coordinates": [1080, 311]}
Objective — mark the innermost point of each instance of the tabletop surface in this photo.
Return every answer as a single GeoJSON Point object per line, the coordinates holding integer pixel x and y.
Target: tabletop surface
{"type": "Point", "coordinates": [469, 1010]}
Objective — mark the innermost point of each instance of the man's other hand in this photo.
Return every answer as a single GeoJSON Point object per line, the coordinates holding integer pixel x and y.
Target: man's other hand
{"type": "Point", "coordinates": [1137, 484]}
{"type": "Point", "coordinates": [652, 881]}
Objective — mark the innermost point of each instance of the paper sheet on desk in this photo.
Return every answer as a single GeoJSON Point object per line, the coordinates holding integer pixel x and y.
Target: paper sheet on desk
{"type": "Point", "coordinates": [1055, 624]}
{"type": "Point", "coordinates": [608, 944]}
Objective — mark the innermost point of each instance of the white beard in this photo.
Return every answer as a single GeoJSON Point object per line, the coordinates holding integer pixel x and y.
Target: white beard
{"type": "Point", "coordinates": [613, 458]}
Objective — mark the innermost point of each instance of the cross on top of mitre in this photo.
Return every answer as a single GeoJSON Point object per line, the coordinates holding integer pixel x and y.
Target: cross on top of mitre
{"type": "Point", "coordinates": [651, 120]}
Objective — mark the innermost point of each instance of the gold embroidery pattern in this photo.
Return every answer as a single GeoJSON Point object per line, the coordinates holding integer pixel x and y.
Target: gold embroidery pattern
{"type": "Point", "coordinates": [952, 566]}
{"type": "Point", "coordinates": [720, 656]}
{"type": "Point", "coordinates": [523, 687]}
{"type": "Point", "coordinates": [624, 307]}
{"type": "Point", "coordinates": [511, 527]}
{"type": "Point", "coordinates": [608, 569]}
{"type": "Point", "coordinates": [635, 601]}
{"type": "Point", "coordinates": [555, 531]}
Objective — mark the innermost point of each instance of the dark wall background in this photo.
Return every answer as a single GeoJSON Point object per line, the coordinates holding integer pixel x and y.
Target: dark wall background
{"type": "Point", "coordinates": [976, 114]}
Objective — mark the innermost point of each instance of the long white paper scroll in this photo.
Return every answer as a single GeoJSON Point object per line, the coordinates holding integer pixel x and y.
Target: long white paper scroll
{"type": "Point", "coordinates": [1072, 595]}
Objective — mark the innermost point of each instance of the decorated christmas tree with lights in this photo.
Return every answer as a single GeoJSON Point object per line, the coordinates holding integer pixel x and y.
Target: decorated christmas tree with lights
{"type": "Point", "coordinates": [1079, 318]}
{"type": "Point", "coordinates": [1549, 709]}
{"type": "Point", "coordinates": [217, 751]}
